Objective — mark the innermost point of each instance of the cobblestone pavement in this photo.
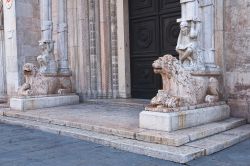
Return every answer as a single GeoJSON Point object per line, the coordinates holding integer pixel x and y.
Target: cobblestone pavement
{"type": "Point", "coordinates": [26, 147]}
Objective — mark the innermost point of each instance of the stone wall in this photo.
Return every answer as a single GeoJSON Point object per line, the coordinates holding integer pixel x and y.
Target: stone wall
{"type": "Point", "coordinates": [22, 33]}
{"type": "Point", "coordinates": [236, 56]}
{"type": "Point", "coordinates": [28, 31]}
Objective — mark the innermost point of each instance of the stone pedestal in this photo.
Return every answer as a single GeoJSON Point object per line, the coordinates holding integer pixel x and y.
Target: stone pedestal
{"type": "Point", "coordinates": [183, 119]}
{"type": "Point", "coordinates": [39, 102]}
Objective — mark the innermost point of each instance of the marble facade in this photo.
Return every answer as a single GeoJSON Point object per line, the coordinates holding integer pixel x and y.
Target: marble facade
{"type": "Point", "coordinates": [97, 43]}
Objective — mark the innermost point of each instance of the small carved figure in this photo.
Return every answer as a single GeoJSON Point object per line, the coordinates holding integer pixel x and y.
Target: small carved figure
{"type": "Point", "coordinates": [187, 41]}
{"type": "Point", "coordinates": [44, 58]}
{"type": "Point", "coordinates": [38, 84]}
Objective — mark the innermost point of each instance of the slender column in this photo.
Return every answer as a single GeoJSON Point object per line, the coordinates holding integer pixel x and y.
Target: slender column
{"type": "Point", "coordinates": [93, 51]}
{"type": "Point", "coordinates": [46, 19]}
{"type": "Point", "coordinates": [3, 88]}
{"type": "Point", "coordinates": [208, 29]}
{"type": "Point", "coordinates": [113, 21]}
{"type": "Point", "coordinates": [47, 59]}
{"type": "Point", "coordinates": [62, 37]}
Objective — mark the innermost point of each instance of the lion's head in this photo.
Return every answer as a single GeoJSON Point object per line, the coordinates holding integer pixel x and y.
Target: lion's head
{"type": "Point", "coordinates": [165, 64]}
{"type": "Point", "coordinates": [30, 69]}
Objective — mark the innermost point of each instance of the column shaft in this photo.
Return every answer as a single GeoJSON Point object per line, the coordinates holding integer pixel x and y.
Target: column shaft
{"type": "Point", "coordinates": [62, 42]}
{"type": "Point", "coordinates": [47, 60]}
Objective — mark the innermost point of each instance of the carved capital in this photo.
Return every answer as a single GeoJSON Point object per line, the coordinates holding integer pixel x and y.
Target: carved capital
{"type": "Point", "coordinates": [204, 3]}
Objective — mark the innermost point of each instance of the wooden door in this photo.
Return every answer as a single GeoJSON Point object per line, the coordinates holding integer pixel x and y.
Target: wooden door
{"type": "Point", "coordinates": [153, 33]}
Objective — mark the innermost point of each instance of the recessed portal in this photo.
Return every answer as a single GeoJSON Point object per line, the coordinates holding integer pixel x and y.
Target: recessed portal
{"type": "Point", "coordinates": [153, 33]}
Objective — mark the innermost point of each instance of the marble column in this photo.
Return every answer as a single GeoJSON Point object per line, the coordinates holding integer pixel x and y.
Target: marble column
{"type": "Point", "coordinates": [208, 31]}
{"type": "Point", "coordinates": [3, 88]}
{"type": "Point", "coordinates": [62, 41]}
{"type": "Point", "coordinates": [113, 21]}
{"type": "Point", "coordinates": [47, 44]}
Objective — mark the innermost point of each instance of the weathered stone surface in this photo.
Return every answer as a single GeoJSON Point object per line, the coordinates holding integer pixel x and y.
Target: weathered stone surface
{"type": "Point", "coordinates": [180, 154]}
{"type": "Point", "coordinates": [236, 56]}
{"type": "Point", "coordinates": [180, 87]}
{"type": "Point", "coordinates": [184, 119]}
{"type": "Point", "coordinates": [114, 119]}
{"type": "Point", "coordinates": [31, 103]}
{"type": "Point", "coordinates": [37, 83]}
{"type": "Point", "coordinates": [171, 139]}
{"type": "Point", "coordinates": [206, 130]}
{"type": "Point", "coordinates": [223, 140]}
{"type": "Point", "coordinates": [177, 154]}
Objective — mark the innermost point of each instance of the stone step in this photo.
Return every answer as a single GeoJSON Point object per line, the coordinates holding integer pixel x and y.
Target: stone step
{"type": "Point", "coordinates": [176, 138]}
{"type": "Point", "coordinates": [136, 103]}
{"type": "Point", "coordinates": [222, 140]}
{"type": "Point", "coordinates": [4, 105]}
{"type": "Point", "coordinates": [181, 154]}
{"type": "Point", "coordinates": [180, 137]}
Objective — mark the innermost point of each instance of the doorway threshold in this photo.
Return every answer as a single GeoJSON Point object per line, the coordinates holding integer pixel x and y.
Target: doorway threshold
{"type": "Point", "coordinates": [132, 102]}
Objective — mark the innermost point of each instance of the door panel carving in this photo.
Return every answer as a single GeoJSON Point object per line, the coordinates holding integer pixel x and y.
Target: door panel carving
{"type": "Point", "coordinates": [153, 33]}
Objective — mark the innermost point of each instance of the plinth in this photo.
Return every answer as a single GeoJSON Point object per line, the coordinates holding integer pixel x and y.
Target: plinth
{"type": "Point", "coordinates": [39, 102]}
{"type": "Point", "coordinates": [155, 119]}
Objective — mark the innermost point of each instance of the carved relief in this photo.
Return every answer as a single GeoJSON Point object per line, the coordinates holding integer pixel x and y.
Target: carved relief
{"type": "Point", "coordinates": [187, 45]}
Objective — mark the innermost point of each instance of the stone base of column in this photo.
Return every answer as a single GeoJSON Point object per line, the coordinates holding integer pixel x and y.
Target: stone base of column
{"type": "Point", "coordinates": [183, 119]}
{"type": "Point", "coordinates": [3, 99]}
{"type": "Point", "coordinates": [39, 102]}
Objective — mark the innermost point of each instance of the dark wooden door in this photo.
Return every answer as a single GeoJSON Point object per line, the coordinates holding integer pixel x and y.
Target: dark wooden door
{"type": "Point", "coordinates": [153, 33]}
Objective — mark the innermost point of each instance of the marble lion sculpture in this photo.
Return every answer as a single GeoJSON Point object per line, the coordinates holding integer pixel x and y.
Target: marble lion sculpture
{"type": "Point", "coordinates": [38, 84]}
{"type": "Point", "coordinates": [180, 87]}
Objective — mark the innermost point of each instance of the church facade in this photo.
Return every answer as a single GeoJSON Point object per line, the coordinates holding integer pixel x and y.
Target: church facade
{"type": "Point", "coordinates": [110, 45]}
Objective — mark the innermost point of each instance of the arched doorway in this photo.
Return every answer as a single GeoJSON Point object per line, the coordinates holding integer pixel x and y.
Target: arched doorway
{"type": "Point", "coordinates": [153, 33]}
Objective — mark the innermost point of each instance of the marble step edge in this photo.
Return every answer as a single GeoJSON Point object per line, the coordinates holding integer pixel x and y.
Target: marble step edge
{"type": "Point", "coordinates": [222, 140]}
{"type": "Point", "coordinates": [176, 138]}
{"type": "Point", "coordinates": [182, 154]}
{"type": "Point", "coordinates": [138, 103]}
{"type": "Point", "coordinates": [183, 136]}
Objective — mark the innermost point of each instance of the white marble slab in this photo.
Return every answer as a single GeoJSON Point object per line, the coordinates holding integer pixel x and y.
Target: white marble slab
{"type": "Point", "coordinates": [32, 103]}
{"type": "Point", "coordinates": [183, 119]}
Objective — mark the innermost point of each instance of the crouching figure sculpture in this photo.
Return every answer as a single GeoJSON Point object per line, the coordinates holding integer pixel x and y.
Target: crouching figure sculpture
{"type": "Point", "coordinates": [36, 83]}
{"type": "Point", "coordinates": [180, 87]}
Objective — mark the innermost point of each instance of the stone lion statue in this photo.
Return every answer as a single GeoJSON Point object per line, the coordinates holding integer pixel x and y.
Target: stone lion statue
{"type": "Point", "coordinates": [38, 84]}
{"type": "Point", "coordinates": [180, 87]}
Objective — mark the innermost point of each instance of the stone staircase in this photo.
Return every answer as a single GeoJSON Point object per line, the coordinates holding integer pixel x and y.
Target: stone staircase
{"type": "Point", "coordinates": [179, 146]}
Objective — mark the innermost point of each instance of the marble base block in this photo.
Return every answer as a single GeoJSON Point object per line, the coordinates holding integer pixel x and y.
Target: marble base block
{"type": "Point", "coordinates": [32, 103]}
{"type": "Point", "coordinates": [183, 119]}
